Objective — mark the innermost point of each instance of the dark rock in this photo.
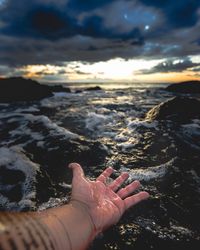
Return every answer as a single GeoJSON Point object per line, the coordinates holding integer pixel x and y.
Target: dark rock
{"type": "Point", "coordinates": [20, 89]}
{"type": "Point", "coordinates": [190, 87]}
{"type": "Point", "coordinates": [10, 176]}
{"type": "Point", "coordinates": [60, 88]}
{"type": "Point", "coordinates": [78, 91]}
{"type": "Point", "coordinates": [94, 88]}
{"type": "Point", "coordinates": [14, 193]}
{"type": "Point", "coordinates": [175, 109]}
{"type": "Point", "coordinates": [11, 181]}
{"type": "Point", "coordinates": [16, 89]}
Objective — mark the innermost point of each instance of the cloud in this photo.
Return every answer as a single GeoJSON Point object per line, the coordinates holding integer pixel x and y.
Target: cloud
{"type": "Point", "coordinates": [4, 70]}
{"type": "Point", "coordinates": [79, 72]}
{"type": "Point", "coordinates": [59, 31]}
{"type": "Point", "coordinates": [38, 21]}
{"type": "Point", "coordinates": [171, 65]}
{"type": "Point", "coordinates": [53, 22]}
{"type": "Point", "coordinates": [179, 14]}
{"type": "Point", "coordinates": [80, 5]}
{"type": "Point", "coordinates": [196, 69]}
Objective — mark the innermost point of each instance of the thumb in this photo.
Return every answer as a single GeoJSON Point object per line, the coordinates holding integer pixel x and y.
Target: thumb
{"type": "Point", "coordinates": [77, 171]}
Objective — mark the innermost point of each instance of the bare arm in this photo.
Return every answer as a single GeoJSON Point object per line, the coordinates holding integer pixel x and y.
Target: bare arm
{"type": "Point", "coordinates": [94, 207]}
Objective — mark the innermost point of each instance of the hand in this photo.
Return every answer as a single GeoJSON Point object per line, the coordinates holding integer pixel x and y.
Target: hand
{"type": "Point", "coordinates": [103, 202]}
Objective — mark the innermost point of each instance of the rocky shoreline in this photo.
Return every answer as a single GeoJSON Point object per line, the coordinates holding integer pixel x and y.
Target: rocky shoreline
{"type": "Point", "coordinates": [153, 134]}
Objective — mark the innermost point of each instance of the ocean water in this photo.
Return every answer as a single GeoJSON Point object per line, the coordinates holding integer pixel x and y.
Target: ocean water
{"type": "Point", "coordinates": [99, 129]}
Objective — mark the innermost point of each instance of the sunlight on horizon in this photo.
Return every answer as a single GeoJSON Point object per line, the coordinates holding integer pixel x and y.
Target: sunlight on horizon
{"type": "Point", "coordinates": [115, 70]}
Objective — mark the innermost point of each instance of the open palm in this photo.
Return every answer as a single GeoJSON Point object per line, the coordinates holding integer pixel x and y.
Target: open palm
{"type": "Point", "coordinates": [103, 202]}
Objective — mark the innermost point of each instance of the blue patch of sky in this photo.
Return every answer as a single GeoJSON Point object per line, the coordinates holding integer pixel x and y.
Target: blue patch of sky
{"type": "Point", "coordinates": [2, 1]}
{"type": "Point", "coordinates": [140, 17]}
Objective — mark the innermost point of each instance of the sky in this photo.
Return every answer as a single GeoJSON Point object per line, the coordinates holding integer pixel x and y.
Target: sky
{"type": "Point", "coordinates": [100, 40]}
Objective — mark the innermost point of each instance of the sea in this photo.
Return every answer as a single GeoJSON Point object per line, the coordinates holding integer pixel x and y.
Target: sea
{"type": "Point", "coordinates": [101, 128]}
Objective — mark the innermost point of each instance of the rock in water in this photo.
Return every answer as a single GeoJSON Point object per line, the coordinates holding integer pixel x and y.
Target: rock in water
{"type": "Point", "coordinates": [16, 89]}
{"type": "Point", "coordinates": [20, 89]}
{"type": "Point", "coordinates": [190, 87]}
{"type": "Point", "coordinates": [94, 88]}
{"type": "Point", "coordinates": [175, 109]}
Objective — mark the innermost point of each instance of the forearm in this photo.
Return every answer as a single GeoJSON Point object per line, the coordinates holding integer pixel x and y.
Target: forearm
{"type": "Point", "coordinates": [75, 223]}
{"type": "Point", "coordinates": [24, 231]}
{"type": "Point", "coordinates": [63, 228]}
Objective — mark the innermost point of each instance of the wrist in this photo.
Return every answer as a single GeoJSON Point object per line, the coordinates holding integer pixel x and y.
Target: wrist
{"type": "Point", "coordinates": [77, 222]}
{"type": "Point", "coordinates": [85, 211]}
{"type": "Point", "coordinates": [56, 228]}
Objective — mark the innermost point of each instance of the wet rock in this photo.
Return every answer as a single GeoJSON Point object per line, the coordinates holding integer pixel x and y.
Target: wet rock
{"type": "Point", "coordinates": [175, 109]}
{"type": "Point", "coordinates": [14, 193]}
{"type": "Point", "coordinates": [10, 183]}
{"type": "Point", "coordinates": [10, 176]}
{"type": "Point", "coordinates": [94, 88]}
{"type": "Point", "coordinates": [190, 87]}
{"type": "Point", "coordinates": [16, 89]}
{"type": "Point", "coordinates": [78, 91]}
{"type": "Point", "coordinates": [20, 89]}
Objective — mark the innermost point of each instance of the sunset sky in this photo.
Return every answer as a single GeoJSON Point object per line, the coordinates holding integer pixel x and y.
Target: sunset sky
{"type": "Point", "coordinates": [100, 40]}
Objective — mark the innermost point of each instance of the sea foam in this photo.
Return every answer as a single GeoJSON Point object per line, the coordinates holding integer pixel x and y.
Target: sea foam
{"type": "Point", "coordinates": [150, 173]}
{"type": "Point", "coordinates": [13, 158]}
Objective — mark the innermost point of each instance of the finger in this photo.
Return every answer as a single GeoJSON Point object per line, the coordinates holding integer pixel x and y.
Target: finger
{"type": "Point", "coordinates": [134, 199]}
{"type": "Point", "coordinates": [77, 170]}
{"type": "Point", "coordinates": [124, 192]}
{"type": "Point", "coordinates": [106, 173]}
{"type": "Point", "coordinates": [119, 181]}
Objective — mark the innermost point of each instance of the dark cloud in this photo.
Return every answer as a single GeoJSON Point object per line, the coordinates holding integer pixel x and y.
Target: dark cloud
{"type": "Point", "coordinates": [38, 21]}
{"type": "Point", "coordinates": [92, 48]}
{"type": "Point", "coordinates": [57, 31]}
{"type": "Point", "coordinates": [94, 27]}
{"type": "Point", "coordinates": [175, 65]}
{"type": "Point", "coordinates": [49, 21]}
{"type": "Point", "coordinates": [179, 14]}
{"type": "Point", "coordinates": [43, 21]}
{"type": "Point", "coordinates": [86, 5]}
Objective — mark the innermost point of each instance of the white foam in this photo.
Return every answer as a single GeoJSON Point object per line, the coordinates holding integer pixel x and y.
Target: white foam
{"type": "Point", "coordinates": [51, 102]}
{"type": "Point", "coordinates": [28, 109]}
{"type": "Point", "coordinates": [195, 178]}
{"type": "Point", "coordinates": [36, 136]}
{"type": "Point", "coordinates": [129, 144]}
{"type": "Point", "coordinates": [41, 144]}
{"type": "Point", "coordinates": [130, 136]}
{"type": "Point", "coordinates": [95, 121]}
{"type": "Point", "coordinates": [59, 99]}
{"type": "Point", "coordinates": [182, 230]}
{"type": "Point", "coordinates": [149, 173]}
{"type": "Point", "coordinates": [127, 139]}
{"type": "Point", "coordinates": [61, 94]}
{"type": "Point", "coordinates": [191, 128]}
{"type": "Point", "coordinates": [14, 158]}
{"type": "Point", "coordinates": [25, 119]}
{"type": "Point", "coordinates": [53, 202]}
{"type": "Point", "coordinates": [142, 123]}
{"type": "Point", "coordinates": [190, 133]}
{"type": "Point", "coordinates": [53, 127]}
{"type": "Point", "coordinates": [4, 104]}
{"type": "Point", "coordinates": [121, 138]}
